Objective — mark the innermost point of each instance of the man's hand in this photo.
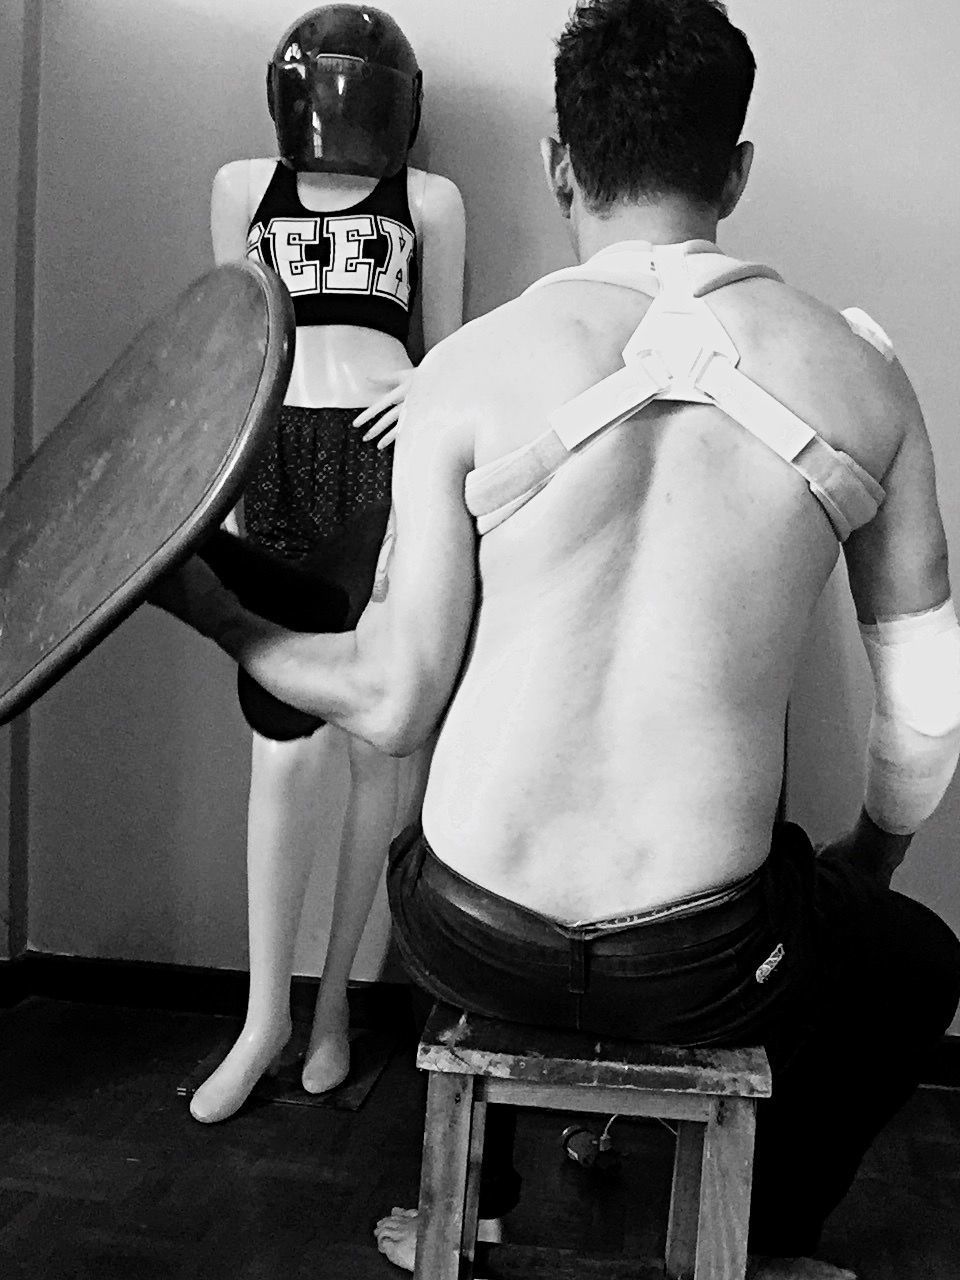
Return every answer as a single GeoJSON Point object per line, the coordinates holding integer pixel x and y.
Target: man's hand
{"type": "Point", "coordinates": [869, 847]}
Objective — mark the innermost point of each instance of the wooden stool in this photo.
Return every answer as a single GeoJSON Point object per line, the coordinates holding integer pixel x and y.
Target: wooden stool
{"type": "Point", "coordinates": [711, 1093]}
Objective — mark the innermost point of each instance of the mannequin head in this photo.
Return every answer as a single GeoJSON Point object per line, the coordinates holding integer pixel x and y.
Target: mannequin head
{"type": "Point", "coordinates": [344, 90]}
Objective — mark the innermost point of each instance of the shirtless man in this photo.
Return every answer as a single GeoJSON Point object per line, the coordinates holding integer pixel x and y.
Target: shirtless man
{"type": "Point", "coordinates": [611, 658]}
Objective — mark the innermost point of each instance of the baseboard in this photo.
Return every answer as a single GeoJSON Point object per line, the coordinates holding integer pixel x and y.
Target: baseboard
{"type": "Point", "coordinates": [14, 984]}
{"type": "Point", "coordinates": [193, 989]}
{"type": "Point", "coordinates": [185, 988]}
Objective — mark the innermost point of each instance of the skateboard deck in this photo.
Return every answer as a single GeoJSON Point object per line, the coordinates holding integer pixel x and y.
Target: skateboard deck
{"type": "Point", "coordinates": [146, 465]}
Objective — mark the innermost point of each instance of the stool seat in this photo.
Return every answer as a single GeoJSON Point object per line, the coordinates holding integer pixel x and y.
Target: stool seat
{"type": "Point", "coordinates": [457, 1042]}
{"type": "Point", "coordinates": [710, 1093]}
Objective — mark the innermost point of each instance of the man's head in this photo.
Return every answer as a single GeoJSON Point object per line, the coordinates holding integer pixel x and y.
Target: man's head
{"type": "Point", "coordinates": [651, 97]}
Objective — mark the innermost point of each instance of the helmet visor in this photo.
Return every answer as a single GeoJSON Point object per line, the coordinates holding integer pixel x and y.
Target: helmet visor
{"type": "Point", "coordinates": [337, 114]}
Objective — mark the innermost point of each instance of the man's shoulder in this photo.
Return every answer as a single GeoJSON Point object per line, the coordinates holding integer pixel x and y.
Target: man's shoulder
{"type": "Point", "coordinates": [480, 352]}
{"type": "Point", "coordinates": [784, 325]}
{"type": "Point", "coordinates": [478, 376]}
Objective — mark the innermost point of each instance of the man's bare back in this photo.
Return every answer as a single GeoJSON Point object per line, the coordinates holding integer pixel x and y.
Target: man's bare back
{"type": "Point", "coordinates": [617, 737]}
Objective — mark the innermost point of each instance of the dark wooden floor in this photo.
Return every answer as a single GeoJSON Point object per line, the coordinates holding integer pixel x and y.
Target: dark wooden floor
{"type": "Point", "coordinates": [104, 1176]}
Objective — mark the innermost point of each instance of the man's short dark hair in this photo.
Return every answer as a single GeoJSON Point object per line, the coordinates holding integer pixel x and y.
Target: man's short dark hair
{"type": "Point", "coordinates": [651, 98]}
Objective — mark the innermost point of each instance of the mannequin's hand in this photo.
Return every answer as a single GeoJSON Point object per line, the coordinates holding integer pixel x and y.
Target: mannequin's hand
{"type": "Point", "coordinates": [384, 413]}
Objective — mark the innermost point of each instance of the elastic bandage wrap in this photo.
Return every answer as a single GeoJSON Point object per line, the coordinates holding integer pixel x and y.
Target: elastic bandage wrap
{"type": "Point", "coordinates": [914, 739]}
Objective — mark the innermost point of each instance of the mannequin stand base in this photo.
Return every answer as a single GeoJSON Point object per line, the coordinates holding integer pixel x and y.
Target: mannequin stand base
{"type": "Point", "coordinates": [370, 1051]}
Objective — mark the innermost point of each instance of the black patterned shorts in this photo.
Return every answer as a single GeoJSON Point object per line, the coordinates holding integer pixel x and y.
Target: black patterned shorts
{"type": "Point", "coordinates": [314, 477]}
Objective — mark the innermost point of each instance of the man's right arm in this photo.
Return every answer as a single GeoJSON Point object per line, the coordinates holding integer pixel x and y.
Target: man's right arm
{"type": "Point", "coordinates": [898, 575]}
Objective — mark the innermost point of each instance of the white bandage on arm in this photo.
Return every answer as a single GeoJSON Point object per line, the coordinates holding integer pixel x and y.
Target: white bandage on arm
{"type": "Point", "coordinates": [914, 740]}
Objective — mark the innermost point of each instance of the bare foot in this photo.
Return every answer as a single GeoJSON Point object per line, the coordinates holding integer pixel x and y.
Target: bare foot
{"type": "Point", "coordinates": [223, 1094]}
{"type": "Point", "coordinates": [397, 1236]}
{"type": "Point", "coordinates": [762, 1268]}
{"type": "Point", "coordinates": [327, 1063]}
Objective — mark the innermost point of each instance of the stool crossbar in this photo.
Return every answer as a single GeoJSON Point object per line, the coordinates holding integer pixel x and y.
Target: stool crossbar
{"type": "Point", "coordinates": [710, 1093]}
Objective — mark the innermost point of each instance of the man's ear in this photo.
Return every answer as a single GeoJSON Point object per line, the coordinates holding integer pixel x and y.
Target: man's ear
{"type": "Point", "coordinates": [740, 167]}
{"type": "Point", "coordinates": [559, 173]}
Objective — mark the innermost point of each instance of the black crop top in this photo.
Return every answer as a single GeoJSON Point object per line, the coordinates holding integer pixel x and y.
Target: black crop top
{"type": "Point", "coordinates": [354, 266]}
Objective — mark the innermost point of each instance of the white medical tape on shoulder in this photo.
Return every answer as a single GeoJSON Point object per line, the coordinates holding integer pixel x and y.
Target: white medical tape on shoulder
{"type": "Point", "coordinates": [865, 327]}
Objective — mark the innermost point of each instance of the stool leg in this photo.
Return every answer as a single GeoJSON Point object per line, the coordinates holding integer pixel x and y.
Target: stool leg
{"type": "Point", "coordinates": [726, 1182]}
{"type": "Point", "coordinates": [471, 1196]}
{"type": "Point", "coordinates": [444, 1177]}
{"type": "Point", "coordinates": [685, 1201]}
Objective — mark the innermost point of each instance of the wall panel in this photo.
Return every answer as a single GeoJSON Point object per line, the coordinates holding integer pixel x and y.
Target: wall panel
{"type": "Point", "coordinates": [140, 757]}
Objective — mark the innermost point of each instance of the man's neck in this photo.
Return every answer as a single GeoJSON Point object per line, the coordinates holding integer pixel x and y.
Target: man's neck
{"type": "Point", "coordinates": [668, 221]}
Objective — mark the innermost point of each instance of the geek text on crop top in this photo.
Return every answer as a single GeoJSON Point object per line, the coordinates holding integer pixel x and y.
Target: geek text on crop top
{"type": "Point", "coordinates": [355, 266]}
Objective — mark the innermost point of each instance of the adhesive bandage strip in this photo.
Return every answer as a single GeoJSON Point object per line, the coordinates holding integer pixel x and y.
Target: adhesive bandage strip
{"type": "Point", "coordinates": [866, 327]}
{"type": "Point", "coordinates": [914, 739]}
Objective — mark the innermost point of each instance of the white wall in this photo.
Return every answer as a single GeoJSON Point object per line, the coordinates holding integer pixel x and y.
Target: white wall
{"type": "Point", "coordinates": [11, 52]}
{"type": "Point", "coordinates": [140, 757]}
{"type": "Point", "coordinates": [139, 762]}
{"type": "Point", "coordinates": [11, 46]}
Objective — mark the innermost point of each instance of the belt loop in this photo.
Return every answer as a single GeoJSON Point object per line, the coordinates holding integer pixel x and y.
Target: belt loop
{"type": "Point", "coordinates": [578, 966]}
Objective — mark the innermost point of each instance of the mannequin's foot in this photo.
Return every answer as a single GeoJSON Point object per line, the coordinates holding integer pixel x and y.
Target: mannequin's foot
{"type": "Point", "coordinates": [224, 1093]}
{"type": "Point", "coordinates": [396, 1236]}
{"type": "Point", "coordinates": [763, 1268]}
{"type": "Point", "coordinates": [327, 1062]}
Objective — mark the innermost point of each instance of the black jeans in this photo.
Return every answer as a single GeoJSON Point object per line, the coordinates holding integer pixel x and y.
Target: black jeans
{"type": "Point", "coordinates": [846, 984]}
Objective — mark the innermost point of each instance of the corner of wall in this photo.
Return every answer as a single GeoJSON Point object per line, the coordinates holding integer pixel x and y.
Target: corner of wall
{"type": "Point", "coordinates": [21, 44]}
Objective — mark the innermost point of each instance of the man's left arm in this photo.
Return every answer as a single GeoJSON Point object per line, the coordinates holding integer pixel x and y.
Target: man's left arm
{"type": "Point", "coordinates": [390, 680]}
{"type": "Point", "coordinates": [897, 565]}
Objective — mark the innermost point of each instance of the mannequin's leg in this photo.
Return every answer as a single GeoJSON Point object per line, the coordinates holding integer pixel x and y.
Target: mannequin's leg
{"type": "Point", "coordinates": [281, 846]}
{"type": "Point", "coordinates": [367, 831]}
{"type": "Point", "coordinates": [414, 772]}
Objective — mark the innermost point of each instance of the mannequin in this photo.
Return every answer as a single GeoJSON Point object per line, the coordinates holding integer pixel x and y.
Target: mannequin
{"type": "Point", "coordinates": [342, 155]}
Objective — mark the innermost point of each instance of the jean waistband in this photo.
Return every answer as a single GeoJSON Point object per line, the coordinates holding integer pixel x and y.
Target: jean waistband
{"type": "Point", "coordinates": [709, 915]}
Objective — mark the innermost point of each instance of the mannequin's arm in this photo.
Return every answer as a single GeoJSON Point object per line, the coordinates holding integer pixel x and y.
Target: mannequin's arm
{"type": "Point", "coordinates": [438, 212]}
{"type": "Point", "coordinates": [230, 211]}
{"type": "Point", "coordinates": [444, 247]}
{"type": "Point", "coordinates": [237, 190]}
